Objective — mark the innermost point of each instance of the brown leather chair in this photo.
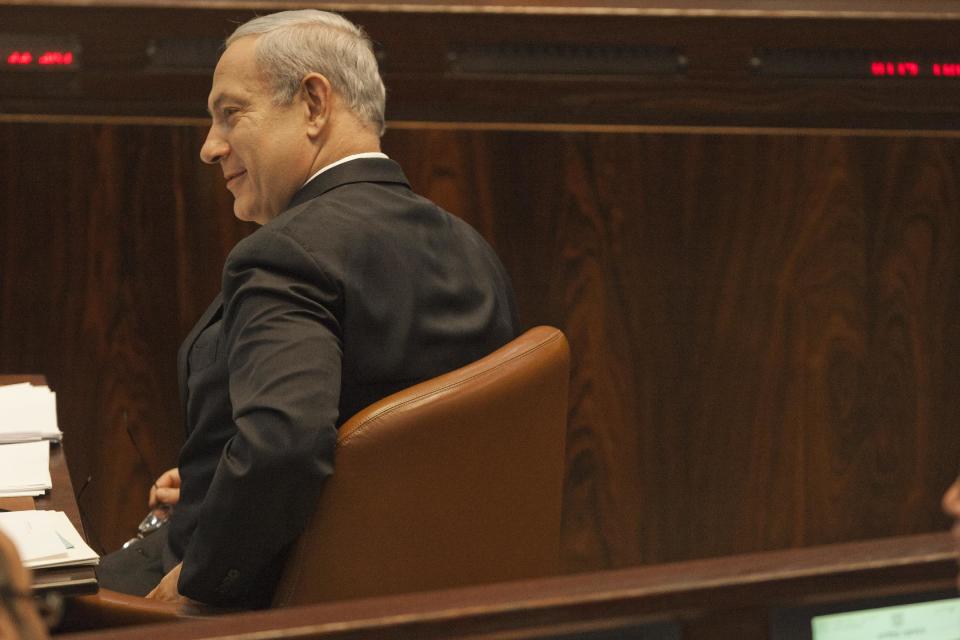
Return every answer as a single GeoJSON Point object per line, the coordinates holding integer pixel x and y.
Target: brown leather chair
{"type": "Point", "coordinates": [454, 481]}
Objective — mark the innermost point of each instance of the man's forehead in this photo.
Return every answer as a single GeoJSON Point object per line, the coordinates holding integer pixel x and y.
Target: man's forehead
{"type": "Point", "coordinates": [226, 90]}
{"type": "Point", "coordinates": [237, 75]}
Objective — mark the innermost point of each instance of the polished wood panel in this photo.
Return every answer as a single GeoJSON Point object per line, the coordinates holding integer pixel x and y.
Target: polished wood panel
{"type": "Point", "coordinates": [762, 327]}
{"type": "Point", "coordinates": [733, 597]}
{"type": "Point", "coordinates": [765, 351]}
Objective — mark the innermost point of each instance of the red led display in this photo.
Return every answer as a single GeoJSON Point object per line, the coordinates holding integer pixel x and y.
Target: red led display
{"type": "Point", "coordinates": [20, 57]}
{"type": "Point", "coordinates": [880, 69]}
{"type": "Point", "coordinates": [894, 66]}
{"type": "Point", "coordinates": [913, 68]}
{"type": "Point", "coordinates": [946, 69]}
{"type": "Point", "coordinates": [46, 59]}
{"type": "Point", "coordinates": [56, 58]}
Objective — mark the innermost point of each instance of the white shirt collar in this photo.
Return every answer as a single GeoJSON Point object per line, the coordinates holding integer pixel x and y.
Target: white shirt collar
{"type": "Point", "coordinates": [356, 156]}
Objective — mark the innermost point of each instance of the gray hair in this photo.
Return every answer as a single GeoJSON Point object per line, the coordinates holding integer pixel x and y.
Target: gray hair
{"type": "Point", "coordinates": [295, 43]}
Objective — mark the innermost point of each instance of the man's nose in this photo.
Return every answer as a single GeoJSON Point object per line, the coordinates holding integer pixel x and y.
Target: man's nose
{"type": "Point", "coordinates": [214, 148]}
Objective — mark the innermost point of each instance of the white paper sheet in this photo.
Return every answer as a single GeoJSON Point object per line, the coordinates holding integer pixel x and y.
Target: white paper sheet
{"type": "Point", "coordinates": [46, 539]}
{"type": "Point", "coordinates": [27, 413]}
{"type": "Point", "coordinates": [25, 468]}
{"type": "Point", "coordinates": [32, 535]}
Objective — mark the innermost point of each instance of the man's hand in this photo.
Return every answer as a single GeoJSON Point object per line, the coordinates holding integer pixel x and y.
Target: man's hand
{"type": "Point", "coordinates": [951, 507]}
{"type": "Point", "coordinates": [167, 589]}
{"type": "Point", "coordinates": [165, 492]}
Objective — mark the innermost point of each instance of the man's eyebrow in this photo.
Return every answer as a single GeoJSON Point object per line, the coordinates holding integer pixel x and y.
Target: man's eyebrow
{"type": "Point", "coordinates": [216, 103]}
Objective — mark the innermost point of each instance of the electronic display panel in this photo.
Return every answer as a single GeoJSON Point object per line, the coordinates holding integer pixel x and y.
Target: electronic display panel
{"type": "Point", "coordinates": [20, 52]}
{"type": "Point", "coordinates": [851, 64]}
{"type": "Point", "coordinates": [907, 616]}
{"type": "Point", "coordinates": [936, 620]}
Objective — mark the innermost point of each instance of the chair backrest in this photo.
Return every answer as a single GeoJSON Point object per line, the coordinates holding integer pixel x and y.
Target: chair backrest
{"type": "Point", "coordinates": [457, 480]}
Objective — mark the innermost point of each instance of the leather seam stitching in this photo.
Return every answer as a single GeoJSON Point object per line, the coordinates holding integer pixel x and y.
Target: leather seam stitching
{"type": "Point", "coordinates": [388, 410]}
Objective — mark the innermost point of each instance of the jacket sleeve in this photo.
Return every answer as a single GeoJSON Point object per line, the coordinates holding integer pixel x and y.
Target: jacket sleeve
{"type": "Point", "coordinates": [284, 358]}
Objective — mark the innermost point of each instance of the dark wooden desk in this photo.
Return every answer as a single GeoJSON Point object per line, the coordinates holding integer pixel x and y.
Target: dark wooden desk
{"type": "Point", "coordinates": [61, 497]}
{"type": "Point", "coordinates": [730, 597]}
{"type": "Point", "coordinates": [73, 580]}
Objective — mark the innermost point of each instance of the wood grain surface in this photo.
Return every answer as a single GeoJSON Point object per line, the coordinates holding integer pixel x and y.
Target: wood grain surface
{"type": "Point", "coordinates": [735, 597]}
{"type": "Point", "coordinates": [764, 327]}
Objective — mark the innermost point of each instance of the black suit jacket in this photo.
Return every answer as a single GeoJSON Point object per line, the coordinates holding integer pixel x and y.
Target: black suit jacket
{"type": "Point", "coordinates": [360, 288]}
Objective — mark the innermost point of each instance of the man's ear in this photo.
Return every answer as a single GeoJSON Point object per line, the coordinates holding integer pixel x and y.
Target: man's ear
{"type": "Point", "coordinates": [317, 96]}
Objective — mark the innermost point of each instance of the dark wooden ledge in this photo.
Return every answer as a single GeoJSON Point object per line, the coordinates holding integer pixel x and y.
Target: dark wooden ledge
{"type": "Point", "coordinates": [703, 596]}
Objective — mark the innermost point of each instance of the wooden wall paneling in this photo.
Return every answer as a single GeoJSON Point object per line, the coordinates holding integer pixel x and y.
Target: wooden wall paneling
{"type": "Point", "coordinates": [795, 300]}
{"type": "Point", "coordinates": [541, 212]}
{"type": "Point", "coordinates": [915, 276]}
{"type": "Point", "coordinates": [764, 327]}
{"type": "Point", "coordinates": [732, 386]}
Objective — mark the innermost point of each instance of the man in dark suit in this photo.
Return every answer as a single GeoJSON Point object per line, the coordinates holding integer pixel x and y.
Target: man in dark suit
{"type": "Point", "coordinates": [354, 287]}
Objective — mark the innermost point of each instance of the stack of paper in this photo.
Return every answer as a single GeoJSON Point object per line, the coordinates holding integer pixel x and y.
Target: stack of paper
{"type": "Point", "coordinates": [25, 469]}
{"type": "Point", "coordinates": [28, 422]}
{"type": "Point", "coordinates": [46, 539]}
{"type": "Point", "coordinates": [28, 412]}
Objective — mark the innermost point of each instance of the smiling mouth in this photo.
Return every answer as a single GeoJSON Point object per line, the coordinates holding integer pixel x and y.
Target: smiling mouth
{"type": "Point", "coordinates": [233, 176]}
